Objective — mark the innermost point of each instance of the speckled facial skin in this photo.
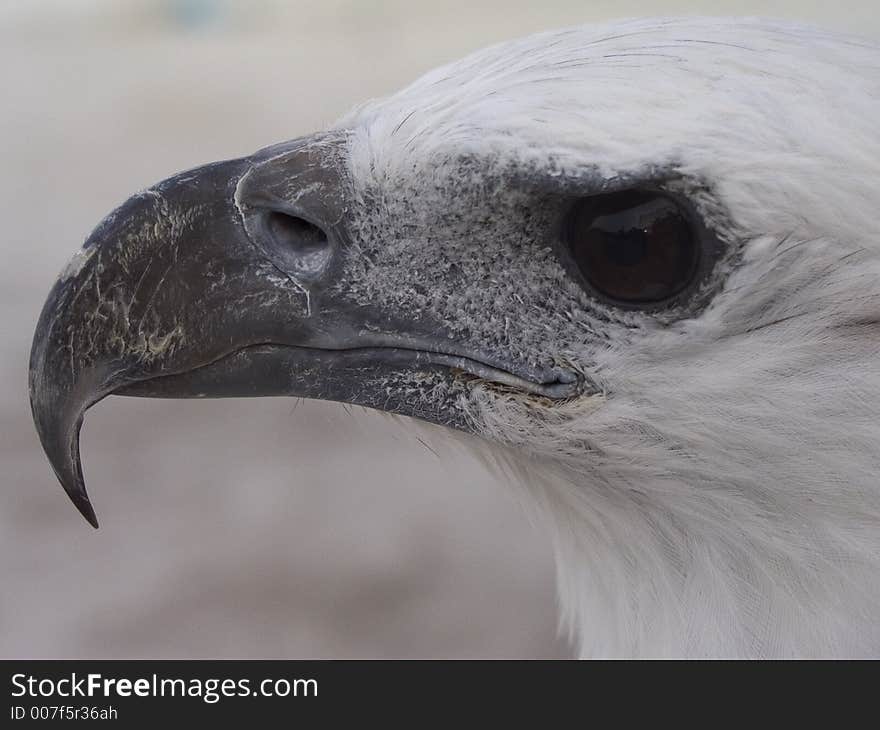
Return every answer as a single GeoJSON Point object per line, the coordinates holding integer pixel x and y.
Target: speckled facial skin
{"type": "Point", "coordinates": [475, 251]}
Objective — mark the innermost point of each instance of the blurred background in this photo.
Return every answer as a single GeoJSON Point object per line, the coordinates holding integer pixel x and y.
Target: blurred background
{"type": "Point", "coordinates": [247, 528]}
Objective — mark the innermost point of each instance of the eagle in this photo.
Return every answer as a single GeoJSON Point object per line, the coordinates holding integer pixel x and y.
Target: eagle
{"type": "Point", "coordinates": [636, 264]}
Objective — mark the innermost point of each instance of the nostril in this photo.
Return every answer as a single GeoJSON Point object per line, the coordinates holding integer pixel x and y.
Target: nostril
{"type": "Point", "coordinates": [295, 232]}
{"type": "Point", "coordinates": [297, 245]}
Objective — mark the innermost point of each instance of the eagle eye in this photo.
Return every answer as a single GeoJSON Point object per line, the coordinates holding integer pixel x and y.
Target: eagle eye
{"type": "Point", "coordinates": [635, 248]}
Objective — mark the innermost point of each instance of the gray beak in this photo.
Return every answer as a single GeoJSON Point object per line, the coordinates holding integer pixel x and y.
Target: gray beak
{"type": "Point", "coordinates": [225, 281]}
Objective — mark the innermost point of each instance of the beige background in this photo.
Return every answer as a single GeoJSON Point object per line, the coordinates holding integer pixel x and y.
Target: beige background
{"type": "Point", "coordinates": [245, 528]}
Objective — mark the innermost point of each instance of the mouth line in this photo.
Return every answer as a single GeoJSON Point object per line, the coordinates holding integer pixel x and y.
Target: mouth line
{"type": "Point", "coordinates": [558, 383]}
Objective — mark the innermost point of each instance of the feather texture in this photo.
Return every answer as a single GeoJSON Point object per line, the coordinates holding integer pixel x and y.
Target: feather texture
{"type": "Point", "coordinates": [719, 496]}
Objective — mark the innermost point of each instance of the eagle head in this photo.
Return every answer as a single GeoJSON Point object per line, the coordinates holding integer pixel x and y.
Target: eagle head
{"type": "Point", "coordinates": [639, 261]}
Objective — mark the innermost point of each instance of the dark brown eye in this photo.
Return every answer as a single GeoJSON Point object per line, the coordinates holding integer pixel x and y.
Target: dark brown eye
{"type": "Point", "coordinates": [633, 247]}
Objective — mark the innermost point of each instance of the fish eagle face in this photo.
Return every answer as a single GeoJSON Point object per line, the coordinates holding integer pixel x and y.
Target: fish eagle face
{"type": "Point", "coordinates": [643, 256]}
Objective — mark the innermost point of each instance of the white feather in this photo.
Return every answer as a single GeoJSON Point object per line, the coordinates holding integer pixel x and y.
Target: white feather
{"type": "Point", "coordinates": [722, 497]}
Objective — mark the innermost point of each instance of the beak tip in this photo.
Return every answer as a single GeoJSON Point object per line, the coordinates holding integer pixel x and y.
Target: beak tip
{"type": "Point", "coordinates": [62, 447]}
{"type": "Point", "coordinates": [86, 510]}
{"type": "Point", "coordinates": [76, 490]}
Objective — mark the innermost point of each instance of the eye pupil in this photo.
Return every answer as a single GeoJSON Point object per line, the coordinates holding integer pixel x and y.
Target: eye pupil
{"type": "Point", "coordinates": [625, 248]}
{"type": "Point", "coordinates": [632, 247]}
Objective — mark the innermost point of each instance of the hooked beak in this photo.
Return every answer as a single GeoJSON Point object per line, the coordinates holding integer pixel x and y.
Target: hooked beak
{"type": "Point", "coordinates": [227, 280]}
